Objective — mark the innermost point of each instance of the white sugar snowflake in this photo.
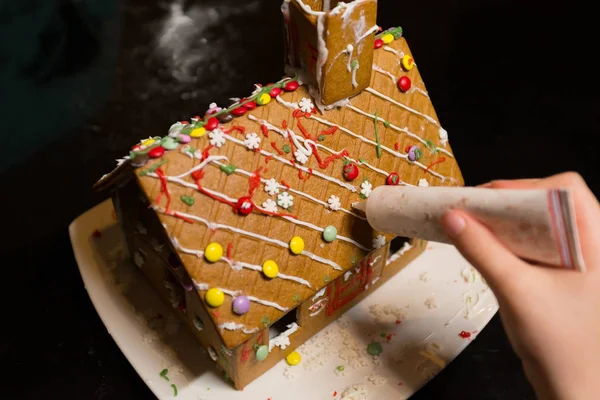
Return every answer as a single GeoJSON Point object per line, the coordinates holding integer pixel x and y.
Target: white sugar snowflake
{"type": "Point", "coordinates": [270, 206]}
{"type": "Point", "coordinates": [271, 187]}
{"type": "Point", "coordinates": [306, 105]}
{"type": "Point", "coordinates": [423, 182]}
{"type": "Point", "coordinates": [252, 141]}
{"type": "Point", "coordinates": [300, 157]}
{"type": "Point", "coordinates": [334, 202]}
{"type": "Point", "coordinates": [285, 200]}
{"type": "Point", "coordinates": [217, 138]}
{"type": "Point", "coordinates": [366, 188]}
{"type": "Point", "coordinates": [378, 242]}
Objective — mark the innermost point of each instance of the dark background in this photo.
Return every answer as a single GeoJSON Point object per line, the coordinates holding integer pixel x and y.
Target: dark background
{"type": "Point", "coordinates": [513, 82]}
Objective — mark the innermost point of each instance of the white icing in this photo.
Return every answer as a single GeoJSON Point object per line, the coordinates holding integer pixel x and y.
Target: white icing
{"type": "Point", "coordinates": [423, 182]}
{"type": "Point", "coordinates": [138, 259]}
{"type": "Point", "coordinates": [443, 134]}
{"type": "Point", "coordinates": [212, 353]}
{"type": "Point", "coordinates": [355, 392]}
{"type": "Point", "coordinates": [354, 70]}
{"type": "Point", "coordinates": [406, 247]}
{"type": "Point", "coordinates": [349, 50]}
{"type": "Point", "coordinates": [283, 340]}
{"type": "Point", "coordinates": [287, 104]}
{"type": "Point", "coordinates": [318, 307]}
{"type": "Point", "coordinates": [374, 261]}
{"type": "Point", "coordinates": [396, 128]}
{"type": "Point", "coordinates": [407, 108]}
{"type": "Point", "coordinates": [400, 54]}
{"type": "Point", "coordinates": [378, 241]}
{"type": "Point", "coordinates": [201, 165]}
{"type": "Point", "coordinates": [307, 9]}
{"type": "Point", "coordinates": [374, 280]}
{"type": "Point", "coordinates": [232, 326]}
{"type": "Point", "coordinates": [214, 225]}
{"type": "Point", "coordinates": [323, 52]}
{"type": "Point", "coordinates": [235, 293]}
{"type": "Point", "coordinates": [320, 293]}
{"type": "Point", "coordinates": [372, 30]}
{"type": "Point", "coordinates": [347, 275]}
{"type": "Point", "coordinates": [237, 265]}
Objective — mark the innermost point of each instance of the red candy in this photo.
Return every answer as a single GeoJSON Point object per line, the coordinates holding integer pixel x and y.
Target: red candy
{"type": "Point", "coordinates": [275, 92]}
{"type": "Point", "coordinates": [244, 205]}
{"type": "Point", "coordinates": [239, 111]}
{"type": "Point", "coordinates": [350, 172]}
{"type": "Point", "coordinates": [251, 105]}
{"type": "Point", "coordinates": [211, 124]}
{"type": "Point", "coordinates": [404, 83]}
{"type": "Point", "coordinates": [156, 152]}
{"type": "Point", "coordinates": [291, 86]}
{"type": "Point", "coordinates": [393, 179]}
{"type": "Point", "coordinates": [378, 43]}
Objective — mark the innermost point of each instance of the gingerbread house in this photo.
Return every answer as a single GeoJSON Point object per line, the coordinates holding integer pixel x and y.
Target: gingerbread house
{"type": "Point", "coordinates": [242, 219]}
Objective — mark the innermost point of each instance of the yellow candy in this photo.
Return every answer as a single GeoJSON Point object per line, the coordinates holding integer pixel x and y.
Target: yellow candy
{"type": "Point", "coordinates": [387, 39]}
{"type": "Point", "coordinates": [148, 142]}
{"type": "Point", "coordinates": [270, 269]}
{"type": "Point", "coordinates": [198, 132]}
{"type": "Point", "coordinates": [214, 297]}
{"type": "Point", "coordinates": [293, 358]}
{"type": "Point", "coordinates": [297, 245]}
{"type": "Point", "coordinates": [263, 99]}
{"type": "Point", "coordinates": [408, 62]}
{"type": "Point", "coordinates": [213, 252]}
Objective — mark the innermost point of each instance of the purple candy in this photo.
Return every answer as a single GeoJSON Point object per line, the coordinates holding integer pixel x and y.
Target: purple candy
{"type": "Point", "coordinates": [412, 155]}
{"type": "Point", "coordinates": [241, 305]}
{"type": "Point", "coordinates": [184, 138]}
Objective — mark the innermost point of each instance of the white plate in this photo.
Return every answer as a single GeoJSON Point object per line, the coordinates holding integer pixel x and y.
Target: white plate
{"type": "Point", "coordinates": [436, 298]}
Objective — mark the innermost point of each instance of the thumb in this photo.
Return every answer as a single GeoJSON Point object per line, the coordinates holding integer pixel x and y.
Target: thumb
{"type": "Point", "coordinates": [483, 250]}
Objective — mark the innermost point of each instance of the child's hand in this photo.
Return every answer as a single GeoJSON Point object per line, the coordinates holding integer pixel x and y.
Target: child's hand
{"type": "Point", "coordinates": [551, 316]}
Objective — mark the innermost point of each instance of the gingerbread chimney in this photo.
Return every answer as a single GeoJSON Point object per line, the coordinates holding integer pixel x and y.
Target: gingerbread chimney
{"type": "Point", "coordinates": [331, 43]}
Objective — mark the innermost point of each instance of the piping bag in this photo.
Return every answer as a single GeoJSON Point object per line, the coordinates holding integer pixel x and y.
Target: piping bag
{"type": "Point", "coordinates": [537, 225]}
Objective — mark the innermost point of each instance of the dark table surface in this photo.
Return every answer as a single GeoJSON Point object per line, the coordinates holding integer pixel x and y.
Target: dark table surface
{"type": "Point", "coordinates": [513, 83]}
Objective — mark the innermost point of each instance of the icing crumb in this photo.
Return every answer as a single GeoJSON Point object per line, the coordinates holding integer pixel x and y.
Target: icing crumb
{"type": "Point", "coordinates": [340, 370]}
{"type": "Point", "coordinates": [443, 134]}
{"type": "Point", "coordinates": [424, 276]}
{"type": "Point", "coordinates": [378, 242]}
{"type": "Point", "coordinates": [386, 314]}
{"type": "Point", "coordinates": [289, 373]}
{"type": "Point", "coordinates": [423, 182]}
{"type": "Point", "coordinates": [376, 379]}
{"type": "Point", "coordinates": [469, 274]}
{"type": "Point", "coordinates": [355, 392]}
{"type": "Point", "coordinates": [431, 303]}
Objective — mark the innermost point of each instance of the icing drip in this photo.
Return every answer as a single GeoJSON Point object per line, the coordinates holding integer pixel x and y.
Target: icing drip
{"type": "Point", "coordinates": [283, 340]}
{"type": "Point", "coordinates": [237, 265]}
{"type": "Point", "coordinates": [214, 225]}
{"type": "Point", "coordinates": [373, 29]}
{"type": "Point", "coordinates": [307, 9]}
{"type": "Point", "coordinates": [232, 326]}
{"type": "Point", "coordinates": [398, 129]}
{"type": "Point", "coordinates": [235, 293]}
{"type": "Point", "coordinates": [406, 247]}
{"type": "Point", "coordinates": [322, 48]}
{"type": "Point", "coordinates": [407, 108]}
{"type": "Point", "coordinates": [320, 293]}
{"type": "Point", "coordinates": [355, 68]}
{"type": "Point", "coordinates": [400, 54]}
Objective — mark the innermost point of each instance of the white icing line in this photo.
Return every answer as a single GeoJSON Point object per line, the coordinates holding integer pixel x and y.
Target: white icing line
{"type": "Point", "coordinates": [232, 326]}
{"type": "Point", "coordinates": [201, 165]}
{"type": "Point", "coordinates": [373, 29]}
{"type": "Point", "coordinates": [398, 129]}
{"type": "Point", "coordinates": [309, 10]}
{"type": "Point", "coordinates": [395, 79]}
{"type": "Point", "coordinates": [237, 265]}
{"type": "Point", "coordinates": [235, 293]}
{"type": "Point", "coordinates": [287, 104]}
{"type": "Point", "coordinates": [400, 54]}
{"type": "Point", "coordinates": [407, 108]}
{"type": "Point", "coordinates": [214, 225]}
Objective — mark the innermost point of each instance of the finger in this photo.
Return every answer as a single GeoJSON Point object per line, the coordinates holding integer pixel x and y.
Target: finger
{"type": "Point", "coordinates": [513, 184]}
{"type": "Point", "coordinates": [483, 250]}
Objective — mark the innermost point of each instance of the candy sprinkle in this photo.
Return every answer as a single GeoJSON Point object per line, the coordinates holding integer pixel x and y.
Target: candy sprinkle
{"type": "Point", "coordinates": [163, 374]}
{"type": "Point", "coordinates": [174, 390]}
{"type": "Point", "coordinates": [374, 349]}
{"type": "Point", "coordinates": [376, 120]}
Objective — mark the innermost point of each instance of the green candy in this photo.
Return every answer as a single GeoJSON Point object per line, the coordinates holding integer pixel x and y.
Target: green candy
{"type": "Point", "coordinates": [374, 349]}
{"type": "Point", "coordinates": [329, 233]}
{"type": "Point", "coordinates": [189, 200]}
{"type": "Point", "coordinates": [262, 352]}
{"type": "Point", "coordinates": [286, 148]}
{"type": "Point", "coordinates": [169, 143]}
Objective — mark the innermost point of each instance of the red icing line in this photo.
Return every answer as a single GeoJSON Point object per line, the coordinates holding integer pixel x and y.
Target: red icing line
{"type": "Point", "coordinates": [397, 146]}
{"type": "Point", "coordinates": [229, 248]}
{"type": "Point", "coordinates": [254, 181]}
{"type": "Point", "coordinates": [274, 214]}
{"type": "Point", "coordinates": [238, 128]}
{"type": "Point", "coordinates": [284, 124]}
{"type": "Point", "coordinates": [183, 217]}
{"type": "Point", "coordinates": [212, 196]}
{"type": "Point", "coordinates": [438, 161]}
{"type": "Point", "coordinates": [163, 188]}
{"type": "Point", "coordinates": [329, 131]}
{"type": "Point", "coordinates": [245, 354]}
{"type": "Point", "coordinates": [267, 159]}
{"type": "Point", "coordinates": [310, 172]}
{"type": "Point", "coordinates": [274, 145]}
{"type": "Point", "coordinates": [303, 130]}
{"type": "Point", "coordinates": [291, 143]}
{"type": "Point", "coordinates": [287, 187]}
{"type": "Point", "coordinates": [205, 153]}
{"type": "Point", "coordinates": [300, 174]}
{"type": "Point", "coordinates": [464, 334]}
{"type": "Point", "coordinates": [324, 163]}
{"type": "Point", "coordinates": [264, 130]}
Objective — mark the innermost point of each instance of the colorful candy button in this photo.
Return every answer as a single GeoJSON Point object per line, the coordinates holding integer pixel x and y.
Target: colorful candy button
{"type": "Point", "coordinates": [156, 152]}
{"type": "Point", "coordinates": [169, 143]}
{"type": "Point", "coordinates": [213, 252]}
{"type": "Point", "coordinates": [241, 305]}
{"type": "Point", "coordinates": [263, 99]}
{"type": "Point", "coordinates": [214, 297]}
{"type": "Point", "coordinates": [293, 358]}
{"type": "Point", "coordinates": [275, 92]}
{"type": "Point", "coordinates": [393, 179]}
{"type": "Point", "coordinates": [148, 142]}
{"type": "Point", "coordinates": [350, 172]}
{"type": "Point", "coordinates": [239, 111]}
{"type": "Point", "coordinates": [329, 233]}
{"type": "Point", "coordinates": [262, 352]}
{"type": "Point", "coordinates": [270, 269]}
{"type": "Point", "coordinates": [244, 205]}
{"type": "Point", "coordinates": [184, 139]}
{"type": "Point", "coordinates": [404, 84]}
{"type": "Point", "coordinates": [211, 124]}
{"type": "Point", "coordinates": [139, 160]}
{"type": "Point", "coordinates": [199, 132]}
{"type": "Point", "coordinates": [378, 43]}
{"type": "Point", "coordinates": [407, 62]}
{"type": "Point", "coordinates": [387, 38]}
{"type": "Point", "coordinates": [251, 105]}
{"type": "Point", "coordinates": [291, 86]}
{"type": "Point", "coordinates": [297, 245]}
{"type": "Point", "coordinates": [225, 117]}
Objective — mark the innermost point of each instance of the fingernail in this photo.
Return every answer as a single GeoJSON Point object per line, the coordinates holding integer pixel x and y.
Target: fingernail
{"type": "Point", "coordinates": [454, 224]}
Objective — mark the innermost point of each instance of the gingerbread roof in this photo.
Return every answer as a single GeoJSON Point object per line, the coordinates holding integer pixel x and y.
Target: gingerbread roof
{"type": "Point", "coordinates": [283, 169]}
